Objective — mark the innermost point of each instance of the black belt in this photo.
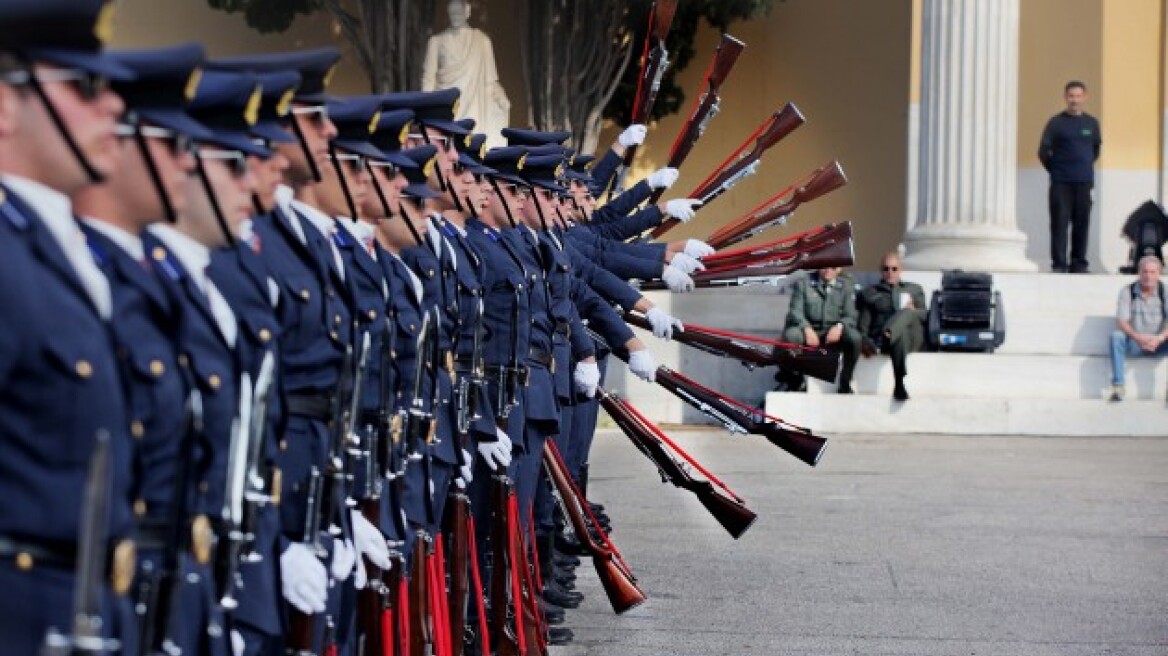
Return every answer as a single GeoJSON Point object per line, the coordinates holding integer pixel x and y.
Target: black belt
{"type": "Point", "coordinates": [563, 328]}
{"type": "Point", "coordinates": [118, 568]}
{"type": "Point", "coordinates": [26, 553]}
{"type": "Point", "coordinates": [311, 406]}
{"type": "Point", "coordinates": [493, 370]}
{"type": "Point", "coordinates": [463, 364]}
{"type": "Point", "coordinates": [541, 356]}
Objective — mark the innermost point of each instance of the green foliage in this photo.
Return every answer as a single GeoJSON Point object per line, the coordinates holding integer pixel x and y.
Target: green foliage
{"type": "Point", "coordinates": [268, 16]}
{"type": "Point", "coordinates": [720, 14]}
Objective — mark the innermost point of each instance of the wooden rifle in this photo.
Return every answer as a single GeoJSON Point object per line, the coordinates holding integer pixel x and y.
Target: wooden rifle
{"type": "Point", "coordinates": [456, 531]}
{"type": "Point", "coordinates": [233, 534]}
{"type": "Point", "coordinates": [727, 507]}
{"type": "Point", "coordinates": [738, 417]}
{"type": "Point", "coordinates": [706, 106]}
{"type": "Point", "coordinates": [375, 602]}
{"type": "Point", "coordinates": [830, 253]}
{"type": "Point", "coordinates": [742, 162]}
{"type": "Point", "coordinates": [777, 209]}
{"type": "Point", "coordinates": [752, 351]}
{"type": "Point", "coordinates": [615, 576]}
{"type": "Point", "coordinates": [421, 633]}
{"type": "Point", "coordinates": [782, 248]}
{"type": "Point", "coordinates": [654, 62]}
{"type": "Point", "coordinates": [85, 637]}
{"type": "Point", "coordinates": [157, 593]}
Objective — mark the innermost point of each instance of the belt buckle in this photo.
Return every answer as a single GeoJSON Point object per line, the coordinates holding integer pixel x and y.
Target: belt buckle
{"type": "Point", "coordinates": [201, 539]}
{"type": "Point", "coordinates": [123, 566]}
{"type": "Point", "coordinates": [277, 482]}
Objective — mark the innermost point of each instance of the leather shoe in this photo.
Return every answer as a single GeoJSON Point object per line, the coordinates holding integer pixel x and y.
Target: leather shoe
{"type": "Point", "coordinates": [845, 389]}
{"type": "Point", "coordinates": [559, 635]}
{"type": "Point", "coordinates": [566, 560]}
{"type": "Point", "coordinates": [900, 393]}
{"type": "Point", "coordinates": [552, 613]}
{"type": "Point", "coordinates": [570, 546]}
{"type": "Point", "coordinates": [556, 594]}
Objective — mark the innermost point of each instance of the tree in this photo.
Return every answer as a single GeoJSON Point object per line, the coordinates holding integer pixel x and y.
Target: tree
{"type": "Point", "coordinates": [670, 98]}
{"type": "Point", "coordinates": [389, 36]}
{"type": "Point", "coordinates": [574, 56]}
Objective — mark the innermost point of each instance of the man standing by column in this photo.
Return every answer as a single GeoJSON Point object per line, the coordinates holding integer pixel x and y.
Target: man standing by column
{"type": "Point", "coordinates": [1068, 150]}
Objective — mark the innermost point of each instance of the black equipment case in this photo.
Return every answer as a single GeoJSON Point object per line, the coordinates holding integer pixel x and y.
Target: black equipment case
{"type": "Point", "coordinates": [966, 314]}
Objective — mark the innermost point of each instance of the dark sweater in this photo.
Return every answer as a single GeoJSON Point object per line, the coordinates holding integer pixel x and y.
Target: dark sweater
{"type": "Point", "coordinates": [1069, 148]}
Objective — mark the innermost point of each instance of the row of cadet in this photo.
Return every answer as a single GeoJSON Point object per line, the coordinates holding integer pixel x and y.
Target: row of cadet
{"type": "Point", "coordinates": [282, 371]}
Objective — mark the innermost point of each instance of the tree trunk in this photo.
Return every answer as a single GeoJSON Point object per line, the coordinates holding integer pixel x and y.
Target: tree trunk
{"type": "Point", "coordinates": [573, 59]}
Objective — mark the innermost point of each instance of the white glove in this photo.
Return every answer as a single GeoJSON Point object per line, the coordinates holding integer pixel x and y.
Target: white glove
{"type": "Point", "coordinates": [237, 643]}
{"type": "Point", "coordinates": [643, 366]}
{"type": "Point", "coordinates": [304, 580]}
{"type": "Point", "coordinates": [344, 558]}
{"type": "Point", "coordinates": [686, 263]}
{"type": "Point", "coordinates": [360, 577]}
{"type": "Point", "coordinates": [634, 135]}
{"type": "Point", "coordinates": [677, 280]}
{"type": "Point", "coordinates": [662, 178]}
{"type": "Point", "coordinates": [587, 378]}
{"type": "Point", "coordinates": [465, 470]}
{"type": "Point", "coordinates": [496, 454]}
{"type": "Point", "coordinates": [682, 209]}
{"type": "Point", "coordinates": [697, 248]}
{"type": "Point", "coordinates": [663, 324]}
{"type": "Point", "coordinates": [369, 541]}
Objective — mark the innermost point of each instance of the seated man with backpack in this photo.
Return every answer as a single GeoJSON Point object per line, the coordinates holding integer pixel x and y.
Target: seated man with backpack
{"type": "Point", "coordinates": [1142, 320]}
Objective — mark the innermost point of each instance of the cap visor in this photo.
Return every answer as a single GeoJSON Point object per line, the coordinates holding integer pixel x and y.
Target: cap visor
{"type": "Point", "coordinates": [400, 161]}
{"type": "Point", "coordinates": [420, 190]}
{"type": "Point", "coordinates": [240, 141]}
{"type": "Point", "coordinates": [360, 148]}
{"type": "Point", "coordinates": [449, 127]}
{"type": "Point", "coordinates": [272, 131]}
{"type": "Point", "coordinates": [93, 62]}
{"type": "Point", "coordinates": [177, 120]}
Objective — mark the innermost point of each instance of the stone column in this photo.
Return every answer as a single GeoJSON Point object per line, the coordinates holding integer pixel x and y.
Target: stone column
{"type": "Point", "coordinates": [965, 214]}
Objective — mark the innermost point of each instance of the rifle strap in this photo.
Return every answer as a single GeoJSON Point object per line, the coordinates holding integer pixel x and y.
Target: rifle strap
{"type": "Point", "coordinates": [477, 579]}
{"type": "Point", "coordinates": [441, 601]}
{"type": "Point", "coordinates": [515, 555]}
{"type": "Point", "coordinates": [403, 615]}
{"type": "Point", "coordinates": [387, 631]}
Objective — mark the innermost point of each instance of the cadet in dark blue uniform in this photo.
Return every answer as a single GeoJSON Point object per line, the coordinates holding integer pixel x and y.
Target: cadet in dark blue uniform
{"type": "Point", "coordinates": [210, 341]}
{"type": "Point", "coordinates": [436, 264]}
{"type": "Point", "coordinates": [152, 184]}
{"type": "Point", "coordinates": [242, 277]}
{"type": "Point", "coordinates": [57, 362]}
{"type": "Point", "coordinates": [315, 325]}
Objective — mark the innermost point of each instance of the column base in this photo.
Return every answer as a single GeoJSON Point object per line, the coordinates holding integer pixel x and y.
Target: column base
{"type": "Point", "coordinates": [969, 247]}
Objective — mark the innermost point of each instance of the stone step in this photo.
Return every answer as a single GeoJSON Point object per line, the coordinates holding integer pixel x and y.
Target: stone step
{"type": "Point", "coordinates": [863, 413]}
{"type": "Point", "coordinates": [1003, 375]}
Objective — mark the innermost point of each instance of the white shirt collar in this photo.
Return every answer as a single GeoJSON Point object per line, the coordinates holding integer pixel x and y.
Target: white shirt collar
{"type": "Point", "coordinates": [50, 205]}
{"type": "Point", "coordinates": [128, 242]}
{"type": "Point", "coordinates": [323, 222]}
{"type": "Point", "coordinates": [191, 254]}
{"type": "Point", "coordinates": [284, 196]}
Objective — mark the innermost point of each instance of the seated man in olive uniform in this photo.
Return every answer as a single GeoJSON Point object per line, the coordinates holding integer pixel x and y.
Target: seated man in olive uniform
{"type": "Point", "coordinates": [823, 314]}
{"type": "Point", "coordinates": [892, 319]}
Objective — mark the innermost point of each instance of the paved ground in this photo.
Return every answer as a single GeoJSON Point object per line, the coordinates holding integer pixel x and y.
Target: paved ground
{"type": "Point", "coordinates": [932, 545]}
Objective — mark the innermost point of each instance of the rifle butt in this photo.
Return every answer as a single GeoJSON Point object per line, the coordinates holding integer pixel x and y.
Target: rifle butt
{"type": "Point", "coordinates": [837, 253]}
{"type": "Point", "coordinates": [822, 364]}
{"type": "Point", "coordinates": [622, 592]}
{"type": "Point", "coordinates": [735, 517]}
{"type": "Point", "coordinates": [804, 446]}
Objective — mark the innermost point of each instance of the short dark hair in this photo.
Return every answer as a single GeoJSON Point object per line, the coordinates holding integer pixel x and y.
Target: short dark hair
{"type": "Point", "coordinates": [1074, 84]}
